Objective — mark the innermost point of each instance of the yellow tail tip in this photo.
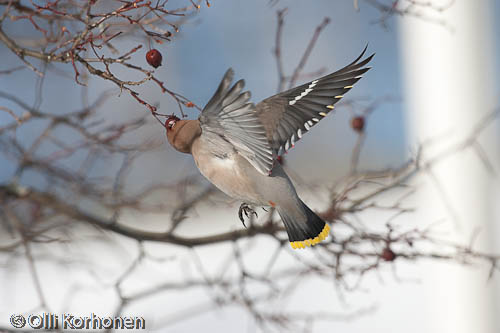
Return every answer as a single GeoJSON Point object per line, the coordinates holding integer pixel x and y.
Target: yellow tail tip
{"type": "Point", "coordinates": [312, 241]}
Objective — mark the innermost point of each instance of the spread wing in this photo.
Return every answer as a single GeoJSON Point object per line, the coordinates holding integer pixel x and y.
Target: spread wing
{"type": "Point", "coordinates": [230, 115]}
{"type": "Point", "coordinates": [290, 114]}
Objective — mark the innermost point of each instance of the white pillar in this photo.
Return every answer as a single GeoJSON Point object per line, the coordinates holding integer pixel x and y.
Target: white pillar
{"type": "Point", "coordinates": [448, 87]}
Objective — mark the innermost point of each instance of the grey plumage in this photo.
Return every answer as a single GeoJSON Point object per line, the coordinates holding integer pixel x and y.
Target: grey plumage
{"type": "Point", "coordinates": [229, 114]}
{"type": "Point", "coordinates": [235, 143]}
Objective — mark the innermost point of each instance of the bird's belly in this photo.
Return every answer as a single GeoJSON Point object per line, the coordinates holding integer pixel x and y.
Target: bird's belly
{"type": "Point", "coordinates": [234, 177]}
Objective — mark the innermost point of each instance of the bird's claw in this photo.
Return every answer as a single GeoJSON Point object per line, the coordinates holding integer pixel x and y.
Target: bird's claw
{"type": "Point", "coordinates": [245, 208]}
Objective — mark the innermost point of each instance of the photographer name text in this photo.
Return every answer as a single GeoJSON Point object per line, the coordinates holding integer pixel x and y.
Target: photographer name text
{"type": "Point", "coordinates": [66, 321]}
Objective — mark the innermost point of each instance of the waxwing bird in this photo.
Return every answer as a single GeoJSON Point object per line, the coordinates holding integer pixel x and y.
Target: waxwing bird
{"type": "Point", "coordinates": [235, 144]}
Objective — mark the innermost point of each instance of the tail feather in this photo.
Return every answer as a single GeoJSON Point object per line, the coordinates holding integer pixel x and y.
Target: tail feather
{"type": "Point", "coordinates": [302, 231]}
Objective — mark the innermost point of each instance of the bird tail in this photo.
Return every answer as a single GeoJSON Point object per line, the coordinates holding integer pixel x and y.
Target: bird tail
{"type": "Point", "coordinates": [303, 232]}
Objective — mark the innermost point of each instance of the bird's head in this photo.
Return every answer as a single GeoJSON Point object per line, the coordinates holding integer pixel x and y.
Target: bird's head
{"type": "Point", "coordinates": [182, 133]}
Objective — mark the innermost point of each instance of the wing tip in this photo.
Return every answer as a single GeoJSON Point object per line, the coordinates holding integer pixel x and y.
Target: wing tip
{"type": "Point", "coordinates": [365, 61]}
{"type": "Point", "coordinates": [228, 76]}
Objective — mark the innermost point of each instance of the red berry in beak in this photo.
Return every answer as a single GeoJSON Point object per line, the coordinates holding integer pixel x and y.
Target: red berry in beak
{"type": "Point", "coordinates": [153, 57]}
{"type": "Point", "coordinates": [358, 123]}
{"type": "Point", "coordinates": [170, 122]}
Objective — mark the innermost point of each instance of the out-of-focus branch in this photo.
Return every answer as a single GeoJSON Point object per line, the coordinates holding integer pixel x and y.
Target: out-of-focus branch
{"type": "Point", "coordinates": [75, 213]}
{"type": "Point", "coordinates": [307, 52]}
{"type": "Point", "coordinates": [277, 49]}
{"type": "Point", "coordinates": [425, 10]}
{"type": "Point", "coordinates": [297, 72]}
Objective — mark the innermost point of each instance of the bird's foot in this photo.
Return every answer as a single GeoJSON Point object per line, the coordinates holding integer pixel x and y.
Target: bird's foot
{"type": "Point", "coordinates": [245, 208]}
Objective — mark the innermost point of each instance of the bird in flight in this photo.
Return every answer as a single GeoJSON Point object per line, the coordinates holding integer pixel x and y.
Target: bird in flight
{"type": "Point", "coordinates": [236, 144]}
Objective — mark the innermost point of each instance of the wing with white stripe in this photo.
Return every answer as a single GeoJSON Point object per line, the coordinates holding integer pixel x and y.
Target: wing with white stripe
{"type": "Point", "coordinates": [289, 115]}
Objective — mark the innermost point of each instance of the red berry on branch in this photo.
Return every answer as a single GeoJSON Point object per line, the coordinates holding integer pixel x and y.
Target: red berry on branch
{"type": "Point", "coordinates": [358, 123]}
{"type": "Point", "coordinates": [189, 104]}
{"type": "Point", "coordinates": [388, 254]}
{"type": "Point", "coordinates": [153, 57]}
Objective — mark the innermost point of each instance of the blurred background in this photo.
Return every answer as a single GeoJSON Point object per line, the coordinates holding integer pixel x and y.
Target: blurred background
{"type": "Point", "coordinates": [433, 81]}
